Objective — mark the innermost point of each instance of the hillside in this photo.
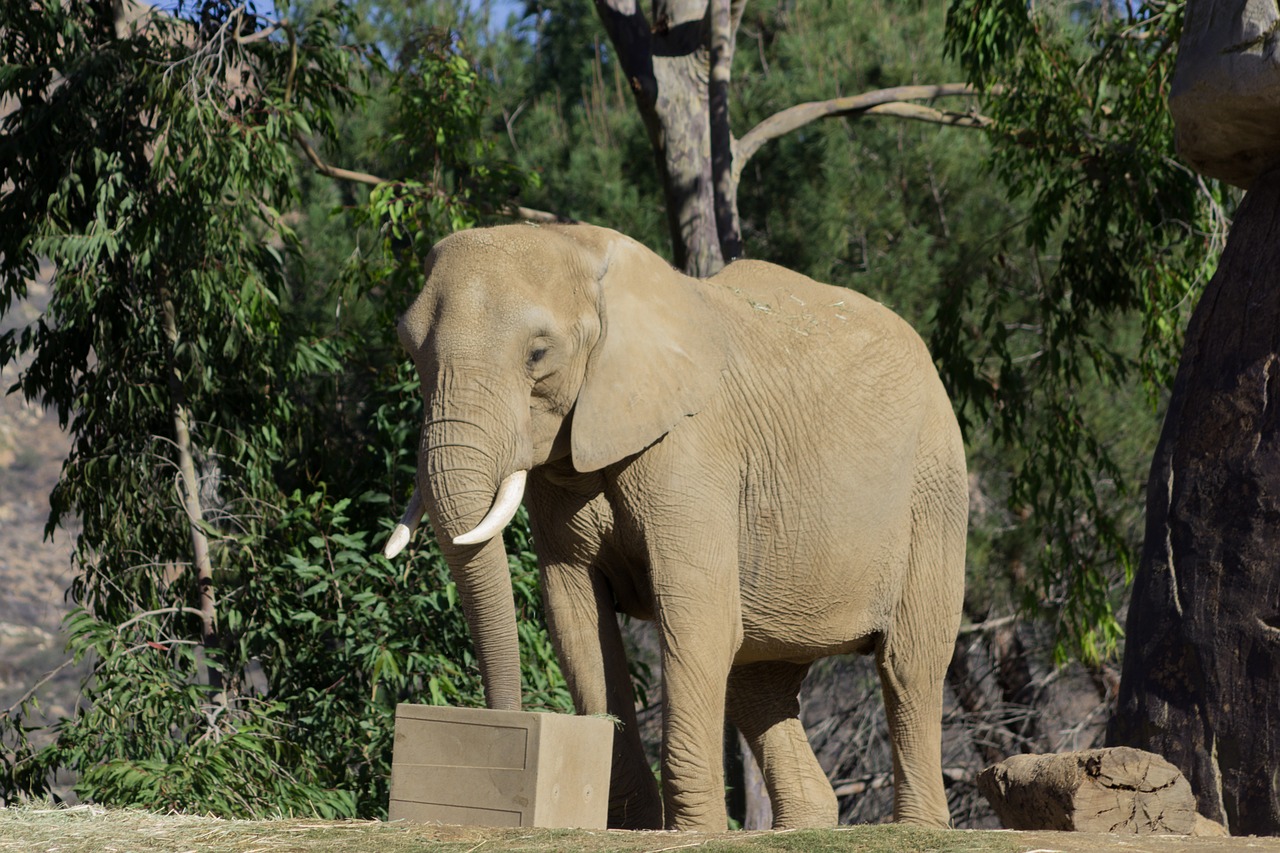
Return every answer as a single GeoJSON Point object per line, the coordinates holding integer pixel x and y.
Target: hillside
{"type": "Point", "coordinates": [34, 572]}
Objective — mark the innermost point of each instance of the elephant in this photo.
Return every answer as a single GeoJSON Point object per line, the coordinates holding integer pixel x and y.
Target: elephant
{"type": "Point", "coordinates": [768, 467]}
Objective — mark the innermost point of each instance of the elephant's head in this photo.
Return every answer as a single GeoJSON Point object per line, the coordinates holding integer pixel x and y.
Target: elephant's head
{"type": "Point", "coordinates": [537, 344]}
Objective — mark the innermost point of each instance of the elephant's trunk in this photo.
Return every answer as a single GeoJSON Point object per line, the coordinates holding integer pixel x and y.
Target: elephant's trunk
{"type": "Point", "coordinates": [484, 585]}
{"type": "Point", "coordinates": [460, 463]}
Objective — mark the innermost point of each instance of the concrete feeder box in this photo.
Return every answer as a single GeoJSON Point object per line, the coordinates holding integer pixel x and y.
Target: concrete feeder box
{"type": "Point", "coordinates": [500, 768]}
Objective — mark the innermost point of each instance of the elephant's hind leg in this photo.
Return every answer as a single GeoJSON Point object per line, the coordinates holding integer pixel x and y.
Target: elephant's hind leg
{"type": "Point", "coordinates": [763, 701]}
{"type": "Point", "coordinates": [913, 655]}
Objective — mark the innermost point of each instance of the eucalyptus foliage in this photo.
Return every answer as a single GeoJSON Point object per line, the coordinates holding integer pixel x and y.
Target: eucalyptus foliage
{"type": "Point", "coordinates": [1126, 235]}
{"type": "Point", "coordinates": [157, 167]}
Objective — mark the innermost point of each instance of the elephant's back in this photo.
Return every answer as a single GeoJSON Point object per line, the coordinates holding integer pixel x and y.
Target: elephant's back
{"type": "Point", "coordinates": [812, 337]}
{"type": "Point", "coordinates": [806, 316]}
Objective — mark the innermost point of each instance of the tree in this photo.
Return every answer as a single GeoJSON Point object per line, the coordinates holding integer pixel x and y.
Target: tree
{"type": "Point", "coordinates": [238, 428]}
{"type": "Point", "coordinates": [1201, 682]}
{"type": "Point", "coordinates": [1201, 679]}
{"type": "Point", "coordinates": [679, 69]}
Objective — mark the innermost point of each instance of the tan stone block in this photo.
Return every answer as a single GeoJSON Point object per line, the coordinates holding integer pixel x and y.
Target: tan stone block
{"type": "Point", "coordinates": [500, 768]}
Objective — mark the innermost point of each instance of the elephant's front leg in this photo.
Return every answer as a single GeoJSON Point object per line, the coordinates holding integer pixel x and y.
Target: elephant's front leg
{"type": "Point", "coordinates": [567, 528]}
{"type": "Point", "coordinates": [690, 540]}
{"type": "Point", "coordinates": [584, 630]}
{"type": "Point", "coordinates": [700, 631]}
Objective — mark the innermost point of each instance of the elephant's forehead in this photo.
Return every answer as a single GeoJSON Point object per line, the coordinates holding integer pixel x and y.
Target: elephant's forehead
{"type": "Point", "coordinates": [488, 273]}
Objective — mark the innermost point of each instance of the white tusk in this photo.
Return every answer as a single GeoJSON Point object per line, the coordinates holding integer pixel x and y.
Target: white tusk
{"type": "Point", "coordinates": [404, 530]}
{"type": "Point", "coordinates": [500, 514]}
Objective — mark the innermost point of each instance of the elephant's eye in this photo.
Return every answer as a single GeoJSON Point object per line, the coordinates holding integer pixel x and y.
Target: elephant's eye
{"type": "Point", "coordinates": [537, 355]}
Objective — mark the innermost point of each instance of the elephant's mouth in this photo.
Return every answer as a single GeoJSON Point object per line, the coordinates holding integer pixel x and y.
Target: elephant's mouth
{"type": "Point", "coordinates": [505, 504]}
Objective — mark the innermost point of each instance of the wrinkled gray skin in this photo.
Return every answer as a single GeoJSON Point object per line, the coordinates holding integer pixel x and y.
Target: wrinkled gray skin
{"type": "Point", "coordinates": [767, 466]}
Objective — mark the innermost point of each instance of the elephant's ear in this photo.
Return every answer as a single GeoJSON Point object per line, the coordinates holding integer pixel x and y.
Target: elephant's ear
{"type": "Point", "coordinates": [659, 358]}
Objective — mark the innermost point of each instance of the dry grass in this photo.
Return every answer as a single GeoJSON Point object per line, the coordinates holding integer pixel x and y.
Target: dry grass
{"type": "Point", "coordinates": [88, 829]}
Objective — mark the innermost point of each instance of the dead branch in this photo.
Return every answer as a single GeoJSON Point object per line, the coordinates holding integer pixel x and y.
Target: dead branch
{"type": "Point", "coordinates": [918, 112]}
{"type": "Point", "coordinates": [162, 611]}
{"type": "Point", "coordinates": [529, 214]}
{"type": "Point", "coordinates": [988, 625]}
{"type": "Point", "coordinates": [880, 102]}
{"type": "Point", "coordinates": [852, 787]}
{"type": "Point", "coordinates": [512, 210]}
{"type": "Point", "coordinates": [48, 676]}
{"type": "Point", "coordinates": [335, 171]}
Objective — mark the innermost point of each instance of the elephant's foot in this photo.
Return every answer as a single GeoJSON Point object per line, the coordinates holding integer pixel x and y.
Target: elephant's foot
{"type": "Point", "coordinates": [697, 814]}
{"type": "Point", "coordinates": [922, 808]}
{"type": "Point", "coordinates": [801, 796]}
{"type": "Point", "coordinates": [932, 821]}
{"type": "Point", "coordinates": [805, 819]}
{"type": "Point", "coordinates": [703, 823]}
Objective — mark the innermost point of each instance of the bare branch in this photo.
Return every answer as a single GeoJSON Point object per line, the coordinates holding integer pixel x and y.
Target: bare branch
{"type": "Point", "coordinates": [919, 112]}
{"type": "Point", "coordinates": [336, 171]}
{"type": "Point", "coordinates": [162, 611]}
{"type": "Point", "coordinates": [48, 676]}
{"type": "Point", "coordinates": [293, 60]}
{"type": "Point", "coordinates": [529, 214]}
{"type": "Point", "coordinates": [264, 33]}
{"type": "Point", "coordinates": [851, 787]}
{"type": "Point", "coordinates": [877, 102]}
{"type": "Point", "coordinates": [190, 493]}
{"type": "Point", "coordinates": [988, 625]}
{"type": "Point", "coordinates": [515, 211]}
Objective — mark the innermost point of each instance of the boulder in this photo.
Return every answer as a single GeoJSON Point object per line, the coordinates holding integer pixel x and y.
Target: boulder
{"type": "Point", "coordinates": [1120, 790]}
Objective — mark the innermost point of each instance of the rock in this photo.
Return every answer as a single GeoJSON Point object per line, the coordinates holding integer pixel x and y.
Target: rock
{"type": "Point", "coordinates": [1225, 93]}
{"type": "Point", "coordinates": [1120, 790]}
{"type": "Point", "coordinates": [1208, 828]}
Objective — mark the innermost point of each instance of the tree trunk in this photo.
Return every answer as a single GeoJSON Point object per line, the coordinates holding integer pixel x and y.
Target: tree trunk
{"type": "Point", "coordinates": [679, 75]}
{"type": "Point", "coordinates": [757, 808]}
{"type": "Point", "coordinates": [1225, 89]}
{"type": "Point", "coordinates": [1201, 679]}
{"type": "Point", "coordinates": [747, 800]}
{"type": "Point", "coordinates": [678, 120]}
{"type": "Point", "coordinates": [723, 25]}
{"type": "Point", "coordinates": [189, 484]}
{"type": "Point", "coordinates": [679, 70]}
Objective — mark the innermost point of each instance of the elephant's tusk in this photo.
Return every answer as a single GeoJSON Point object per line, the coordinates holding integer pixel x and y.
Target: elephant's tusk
{"type": "Point", "coordinates": [500, 514]}
{"type": "Point", "coordinates": [404, 530]}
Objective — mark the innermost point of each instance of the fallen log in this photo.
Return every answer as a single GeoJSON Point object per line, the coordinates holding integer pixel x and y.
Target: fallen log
{"type": "Point", "coordinates": [1120, 790]}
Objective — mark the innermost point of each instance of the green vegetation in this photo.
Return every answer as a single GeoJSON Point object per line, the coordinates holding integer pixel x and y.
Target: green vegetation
{"type": "Point", "coordinates": [1122, 237]}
